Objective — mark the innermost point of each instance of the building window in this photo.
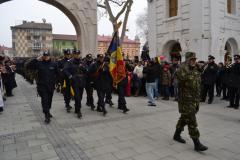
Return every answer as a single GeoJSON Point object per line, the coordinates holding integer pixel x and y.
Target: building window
{"type": "Point", "coordinates": [173, 8]}
{"type": "Point", "coordinates": [231, 6]}
{"type": "Point", "coordinates": [28, 38]}
{"type": "Point", "coordinates": [37, 46]}
{"type": "Point", "coordinates": [43, 38]}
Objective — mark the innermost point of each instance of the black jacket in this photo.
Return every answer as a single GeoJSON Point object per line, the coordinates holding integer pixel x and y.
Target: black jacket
{"type": "Point", "coordinates": [76, 72]}
{"type": "Point", "coordinates": [209, 74]}
{"type": "Point", "coordinates": [234, 76]}
{"type": "Point", "coordinates": [101, 74]}
{"type": "Point", "coordinates": [150, 73]}
{"type": "Point", "coordinates": [46, 73]}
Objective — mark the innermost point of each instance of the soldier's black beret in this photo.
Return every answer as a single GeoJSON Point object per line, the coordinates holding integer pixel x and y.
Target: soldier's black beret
{"type": "Point", "coordinates": [211, 57]}
{"type": "Point", "coordinates": [66, 51]}
{"type": "Point", "coordinates": [46, 53]}
{"type": "Point", "coordinates": [76, 51]}
{"type": "Point", "coordinates": [89, 56]}
{"type": "Point", "coordinates": [236, 56]}
{"type": "Point", "coordinates": [100, 56]}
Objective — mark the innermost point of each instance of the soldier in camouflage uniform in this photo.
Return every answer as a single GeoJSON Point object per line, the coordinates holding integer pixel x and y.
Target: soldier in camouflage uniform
{"type": "Point", "coordinates": [189, 80]}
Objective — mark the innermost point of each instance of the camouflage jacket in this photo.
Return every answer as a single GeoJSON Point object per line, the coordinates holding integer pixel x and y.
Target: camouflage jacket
{"type": "Point", "coordinates": [189, 89]}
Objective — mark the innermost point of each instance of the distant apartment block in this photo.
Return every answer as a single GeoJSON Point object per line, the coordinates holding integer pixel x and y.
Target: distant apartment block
{"type": "Point", "coordinates": [30, 38]}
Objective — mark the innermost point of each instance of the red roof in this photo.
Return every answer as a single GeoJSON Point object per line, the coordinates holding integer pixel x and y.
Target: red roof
{"type": "Point", "coordinates": [64, 37]}
{"type": "Point", "coordinates": [3, 48]}
{"type": "Point", "coordinates": [100, 38]}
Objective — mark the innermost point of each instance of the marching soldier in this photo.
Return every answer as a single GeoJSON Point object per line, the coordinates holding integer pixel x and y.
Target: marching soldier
{"type": "Point", "coordinates": [65, 80]}
{"type": "Point", "coordinates": [76, 73]}
{"type": "Point", "coordinates": [234, 85]}
{"type": "Point", "coordinates": [47, 72]}
{"type": "Point", "coordinates": [189, 80]}
{"type": "Point", "coordinates": [209, 76]}
{"type": "Point", "coordinates": [100, 71]}
{"type": "Point", "coordinates": [90, 82]}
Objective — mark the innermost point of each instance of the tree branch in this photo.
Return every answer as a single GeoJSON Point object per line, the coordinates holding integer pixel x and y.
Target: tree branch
{"type": "Point", "coordinates": [118, 3]}
{"type": "Point", "coordinates": [110, 13]}
{"type": "Point", "coordinates": [122, 10]}
{"type": "Point", "coordinates": [101, 6]}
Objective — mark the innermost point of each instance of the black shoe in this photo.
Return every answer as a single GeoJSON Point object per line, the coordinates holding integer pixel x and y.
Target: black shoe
{"type": "Point", "coordinates": [92, 107]}
{"type": "Point", "coordinates": [152, 104]}
{"type": "Point", "coordinates": [50, 115]}
{"type": "Point", "coordinates": [47, 118]}
{"type": "Point", "coordinates": [88, 104]}
{"type": "Point", "coordinates": [236, 107]}
{"type": "Point", "coordinates": [1, 109]}
{"type": "Point", "coordinates": [4, 98]}
{"type": "Point", "coordinates": [99, 109]}
{"type": "Point", "coordinates": [230, 107]}
{"type": "Point", "coordinates": [210, 101]}
{"type": "Point", "coordinates": [79, 115]}
{"type": "Point", "coordinates": [104, 113]}
{"type": "Point", "coordinates": [198, 146]}
{"type": "Point", "coordinates": [120, 108]}
{"type": "Point", "coordinates": [125, 110]}
{"type": "Point", "coordinates": [110, 103]}
{"type": "Point", "coordinates": [177, 136]}
{"type": "Point", "coordinates": [165, 98]}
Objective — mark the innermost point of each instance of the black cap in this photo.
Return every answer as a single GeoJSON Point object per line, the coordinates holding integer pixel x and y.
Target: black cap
{"type": "Point", "coordinates": [236, 56]}
{"type": "Point", "coordinates": [66, 51]}
{"type": "Point", "coordinates": [100, 56]}
{"type": "Point", "coordinates": [211, 57]}
{"type": "Point", "coordinates": [89, 56]}
{"type": "Point", "coordinates": [46, 53]}
{"type": "Point", "coordinates": [76, 51]}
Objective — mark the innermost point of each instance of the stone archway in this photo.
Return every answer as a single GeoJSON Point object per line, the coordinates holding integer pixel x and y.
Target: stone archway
{"type": "Point", "coordinates": [172, 49]}
{"type": "Point", "coordinates": [83, 15]}
{"type": "Point", "coordinates": [231, 46]}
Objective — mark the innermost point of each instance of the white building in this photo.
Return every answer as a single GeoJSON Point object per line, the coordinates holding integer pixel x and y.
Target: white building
{"type": "Point", "coordinates": [203, 26]}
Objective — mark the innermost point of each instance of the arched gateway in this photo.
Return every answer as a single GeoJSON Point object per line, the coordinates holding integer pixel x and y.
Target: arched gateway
{"type": "Point", "coordinates": [83, 15]}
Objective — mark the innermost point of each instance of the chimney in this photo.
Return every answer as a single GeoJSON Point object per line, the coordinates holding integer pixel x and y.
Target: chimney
{"type": "Point", "coordinates": [24, 22]}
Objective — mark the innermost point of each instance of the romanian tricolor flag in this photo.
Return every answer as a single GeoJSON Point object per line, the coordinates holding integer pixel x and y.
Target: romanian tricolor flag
{"type": "Point", "coordinates": [117, 65]}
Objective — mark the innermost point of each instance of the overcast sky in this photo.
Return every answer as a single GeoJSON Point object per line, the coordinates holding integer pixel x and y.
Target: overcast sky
{"type": "Point", "coordinates": [13, 12]}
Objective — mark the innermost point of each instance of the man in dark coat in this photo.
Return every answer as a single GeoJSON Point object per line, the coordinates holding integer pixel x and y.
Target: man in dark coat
{"type": "Point", "coordinates": [76, 73]}
{"type": "Point", "coordinates": [89, 82]}
{"type": "Point", "coordinates": [9, 78]}
{"type": "Point", "coordinates": [64, 79]}
{"type": "Point", "coordinates": [209, 76]}
{"type": "Point", "coordinates": [103, 81]}
{"type": "Point", "coordinates": [46, 76]}
{"type": "Point", "coordinates": [234, 83]}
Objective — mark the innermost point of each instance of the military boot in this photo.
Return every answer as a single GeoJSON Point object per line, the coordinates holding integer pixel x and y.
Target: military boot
{"type": "Point", "coordinates": [79, 115]}
{"type": "Point", "coordinates": [47, 118]}
{"type": "Point", "coordinates": [198, 146]}
{"type": "Point", "coordinates": [177, 136]}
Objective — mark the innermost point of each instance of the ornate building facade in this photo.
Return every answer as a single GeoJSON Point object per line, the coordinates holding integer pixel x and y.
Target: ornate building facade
{"type": "Point", "coordinates": [203, 26]}
{"type": "Point", "coordinates": [30, 38]}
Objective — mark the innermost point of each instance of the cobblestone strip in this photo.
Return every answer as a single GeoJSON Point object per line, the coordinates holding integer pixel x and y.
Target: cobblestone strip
{"type": "Point", "coordinates": [64, 146]}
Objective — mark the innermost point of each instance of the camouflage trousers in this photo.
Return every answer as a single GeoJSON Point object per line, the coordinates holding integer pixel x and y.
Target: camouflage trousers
{"type": "Point", "coordinates": [191, 121]}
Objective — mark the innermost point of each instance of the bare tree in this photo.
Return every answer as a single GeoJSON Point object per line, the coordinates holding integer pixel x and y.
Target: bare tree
{"type": "Point", "coordinates": [114, 19]}
{"type": "Point", "coordinates": [142, 25]}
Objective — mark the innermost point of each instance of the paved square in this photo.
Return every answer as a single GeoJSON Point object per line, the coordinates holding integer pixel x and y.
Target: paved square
{"type": "Point", "coordinates": [145, 133]}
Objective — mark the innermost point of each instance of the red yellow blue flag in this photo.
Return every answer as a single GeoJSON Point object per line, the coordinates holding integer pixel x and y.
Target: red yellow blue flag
{"type": "Point", "coordinates": [117, 65]}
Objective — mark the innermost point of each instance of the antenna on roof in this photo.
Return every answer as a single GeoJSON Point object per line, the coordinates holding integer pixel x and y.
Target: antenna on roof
{"type": "Point", "coordinates": [44, 20]}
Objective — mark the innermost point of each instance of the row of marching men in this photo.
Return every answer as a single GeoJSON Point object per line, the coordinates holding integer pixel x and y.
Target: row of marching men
{"type": "Point", "coordinates": [75, 75]}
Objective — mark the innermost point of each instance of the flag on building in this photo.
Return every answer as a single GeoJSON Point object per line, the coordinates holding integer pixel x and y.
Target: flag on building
{"type": "Point", "coordinates": [117, 65]}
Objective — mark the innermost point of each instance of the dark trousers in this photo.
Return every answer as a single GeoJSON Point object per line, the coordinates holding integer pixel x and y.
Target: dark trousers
{"type": "Point", "coordinates": [8, 89]}
{"type": "Point", "coordinates": [208, 89]}
{"type": "Point", "coordinates": [219, 88]}
{"type": "Point", "coordinates": [101, 95]}
{"type": "Point", "coordinates": [78, 93]}
{"type": "Point", "coordinates": [46, 100]}
{"type": "Point", "coordinates": [225, 91]}
{"type": "Point", "coordinates": [234, 96]}
{"type": "Point", "coordinates": [165, 89]}
{"type": "Point", "coordinates": [67, 93]}
{"type": "Point", "coordinates": [121, 97]}
{"type": "Point", "coordinates": [89, 91]}
{"type": "Point", "coordinates": [108, 95]}
{"type": "Point", "coordinates": [191, 121]}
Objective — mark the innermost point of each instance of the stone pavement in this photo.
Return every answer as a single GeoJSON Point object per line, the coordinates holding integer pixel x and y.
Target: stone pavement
{"type": "Point", "coordinates": [145, 133]}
